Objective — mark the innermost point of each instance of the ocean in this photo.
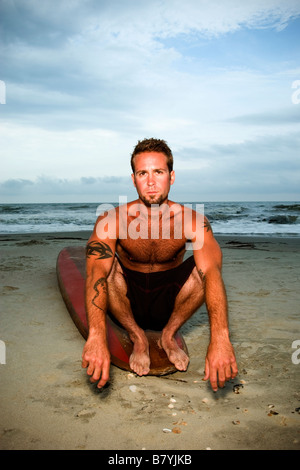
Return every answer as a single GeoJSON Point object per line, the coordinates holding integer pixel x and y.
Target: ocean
{"type": "Point", "coordinates": [233, 218]}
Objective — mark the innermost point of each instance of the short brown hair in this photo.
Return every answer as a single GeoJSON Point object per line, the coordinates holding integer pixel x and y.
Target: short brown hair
{"type": "Point", "coordinates": [153, 145]}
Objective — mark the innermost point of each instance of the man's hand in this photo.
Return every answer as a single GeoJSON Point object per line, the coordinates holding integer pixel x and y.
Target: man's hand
{"type": "Point", "coordinates": [220, 363]}
{"type": "Point", "coordinates": [96, 358]}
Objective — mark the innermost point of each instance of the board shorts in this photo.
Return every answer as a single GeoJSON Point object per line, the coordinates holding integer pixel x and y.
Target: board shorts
{"type": "Point", "coordinates": [152, 295]}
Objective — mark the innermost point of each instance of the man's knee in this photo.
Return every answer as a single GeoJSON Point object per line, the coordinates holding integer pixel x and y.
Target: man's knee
{"type": "Point", "coordinates": [116, 275]}
{"type": "Point", "coordinates": [194, 283]}
{"type": "Point", "coordinates": [117, 287]}
{"type": "Point", "coordinates": [192, 290]}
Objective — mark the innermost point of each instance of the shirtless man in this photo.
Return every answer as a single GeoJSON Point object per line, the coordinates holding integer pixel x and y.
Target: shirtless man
{"type": "Point", "coordinates": [122, 261]}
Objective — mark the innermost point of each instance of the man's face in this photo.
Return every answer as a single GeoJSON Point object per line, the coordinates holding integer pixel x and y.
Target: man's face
{"type": "Point", "coordinates": [152, 178]}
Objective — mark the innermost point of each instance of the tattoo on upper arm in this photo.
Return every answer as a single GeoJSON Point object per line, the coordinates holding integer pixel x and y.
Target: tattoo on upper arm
{"type": "Point", "coordinates": [99, 249]}
{"type": "Point", "coordinates": [103, 284]}
{"type": "Point", "coordinates": [201, 274]}
{"type": "Point", "coordinates": [207, 225]}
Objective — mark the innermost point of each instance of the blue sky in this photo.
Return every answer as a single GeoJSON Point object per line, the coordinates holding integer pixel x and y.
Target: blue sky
{"type": "Point", "coordinates": [83, 81]}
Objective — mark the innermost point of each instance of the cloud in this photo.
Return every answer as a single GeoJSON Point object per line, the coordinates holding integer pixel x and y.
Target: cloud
{"type": "Point", "coordinates": [41, 21]}
{"type": "Point", "coordinates": [108, 41]}
{"type": "Point", "coordinates": [267, 168]}
{"type": "Point", "coordinates": [86, 189]}
{"type": "Point", "coordinates": [86, 80]}
{"type": "Point", "coordinates": [280, 117]}
{"type": "Point", "coordinates": [265, 151]}
{"type": "Point", "coordinates": [12, 186]}
{"type": "Point", "coordinates": [109, 59]}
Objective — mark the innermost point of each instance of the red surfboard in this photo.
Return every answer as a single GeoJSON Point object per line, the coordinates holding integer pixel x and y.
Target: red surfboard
{"type": "Point", "coordinates": [70, 270]}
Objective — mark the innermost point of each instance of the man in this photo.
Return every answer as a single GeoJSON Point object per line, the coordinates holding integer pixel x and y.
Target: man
{"type": "Point", "coordinates": [136, 274]}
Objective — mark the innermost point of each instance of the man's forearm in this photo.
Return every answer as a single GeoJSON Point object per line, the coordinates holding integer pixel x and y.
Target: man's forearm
{"type": "Point", "coordinates": [216, 303]}
{"type": "Point", "coordinates": [96, 305]}
{"type": "Point", "coordinates": [95, 355]}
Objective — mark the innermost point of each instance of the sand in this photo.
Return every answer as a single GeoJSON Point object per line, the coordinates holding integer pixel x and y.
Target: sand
{"type": "Point", "coordinates": [47, 401]}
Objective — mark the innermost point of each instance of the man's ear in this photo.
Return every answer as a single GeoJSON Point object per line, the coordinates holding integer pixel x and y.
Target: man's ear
{"type": "Point", "coordinates": [133, 179]}
{"type": "Point", "coordinates": [172, 177]}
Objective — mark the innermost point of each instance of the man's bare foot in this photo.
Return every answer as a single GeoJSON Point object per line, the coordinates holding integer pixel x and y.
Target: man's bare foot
{"type": "Point", "coordinates": [175, 354]}
{"type": "Point", "coordinates": [139, 360]}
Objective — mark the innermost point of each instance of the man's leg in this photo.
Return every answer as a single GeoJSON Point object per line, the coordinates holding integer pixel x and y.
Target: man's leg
{"type": "Point", "coordinates": [119, 306]}
{"type": "Point", "coordinates": [188, 300]}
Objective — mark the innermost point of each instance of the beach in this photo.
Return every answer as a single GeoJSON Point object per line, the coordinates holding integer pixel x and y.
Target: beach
{"type": "Point", "coordinates": [47, 401]}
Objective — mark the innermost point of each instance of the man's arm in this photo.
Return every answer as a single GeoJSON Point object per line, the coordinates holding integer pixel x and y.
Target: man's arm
{"type": "Point", "coordinates": [220, 362]}
{"type": "Point", "coordinates": [99, 260]}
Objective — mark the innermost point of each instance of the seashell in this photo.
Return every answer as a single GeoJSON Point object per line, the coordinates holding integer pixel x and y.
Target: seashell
{"type": "Point", "coordinates": [172, 400]}
{"type": "Point", "coordinates": [205, 400]}
{"type": "Point", "coordinates": [176, 430]}
{"type": "Point", "coordinates": [236, 388]}
{"type": "Point", "coordinates": [171, 405]}
{"type": "Point", "coordinates": [85, 414]}
{"type": "Point", "coordinates": [133, 388]}
{"type": "Point", "coordinates": [167, 430]}
{"type": "Point", "coordinates": [236, 422]}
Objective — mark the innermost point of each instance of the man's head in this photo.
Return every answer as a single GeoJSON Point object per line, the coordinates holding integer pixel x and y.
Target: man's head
{"type": "Point", "coordinates": [152, 145]}
{"type": "Point", "coordinates": [153, 174]}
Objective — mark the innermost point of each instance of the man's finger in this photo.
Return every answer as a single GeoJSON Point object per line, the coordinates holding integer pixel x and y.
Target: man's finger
{"type": "Point", "coordinates": [84, 363]}
{"type": "Point", "coordinates": [228, 373]}
{"type": "Point", "coordinates": [90, 369]}
{"type": "Point", "coordinates": [211, 373]}
{"type": "Point", "coordinates": [206, 371]}
{"type": "Point", "coordinates": [222, 378]}
{"type": "Point", "coordinates": [213, 379]}
{"type": "Point", "coordinates": [234, 369]}
{"type": "Point", "coordinates": [104, 376]}
{"type": "Point", "coordinates": [96, 375]}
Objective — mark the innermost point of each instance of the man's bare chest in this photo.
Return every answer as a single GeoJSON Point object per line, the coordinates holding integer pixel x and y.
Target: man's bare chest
{"type": "Point", "coordinates": [152, 252]}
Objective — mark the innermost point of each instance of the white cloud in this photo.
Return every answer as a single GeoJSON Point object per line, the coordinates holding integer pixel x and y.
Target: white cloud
{"type": "Point", "coordinates": [86, 80]}
{"type": "Point", "coordinates": [73, 153]}
{"type": "Point", "coordinates": [47, 189]}
{"type": "Point", "coordinates": [224, 172]}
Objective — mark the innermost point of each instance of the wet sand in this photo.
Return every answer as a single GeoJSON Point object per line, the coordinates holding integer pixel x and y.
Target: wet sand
{"type": "Point", "coordinates": [47, 401]}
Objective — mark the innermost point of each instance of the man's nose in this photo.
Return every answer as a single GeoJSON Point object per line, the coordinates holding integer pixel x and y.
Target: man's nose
{"type": "Point", "coordinates": [150, 179]}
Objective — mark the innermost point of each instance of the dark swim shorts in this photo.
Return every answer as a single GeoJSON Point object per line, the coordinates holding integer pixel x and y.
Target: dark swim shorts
{"type": "Point", "coordinates": [152, 295]}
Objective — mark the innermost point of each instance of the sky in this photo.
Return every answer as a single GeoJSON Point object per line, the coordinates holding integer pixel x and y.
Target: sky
{"type": "Point", "coordinates": [82, 81]}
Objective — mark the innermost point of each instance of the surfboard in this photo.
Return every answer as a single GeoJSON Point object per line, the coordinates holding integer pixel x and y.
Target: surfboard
{"type": "Point", "coordinates": [71, 273]}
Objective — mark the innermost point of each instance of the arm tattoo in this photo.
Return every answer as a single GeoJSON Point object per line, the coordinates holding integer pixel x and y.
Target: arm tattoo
{"type": "Point", "coordinates": [103, 284]}
{"type": "Point", "coordinates": [99, 249]}
{"type": "Point", "coordinates": [202, 275]}
{"type": "Point", "coordinates": [207, 225]}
